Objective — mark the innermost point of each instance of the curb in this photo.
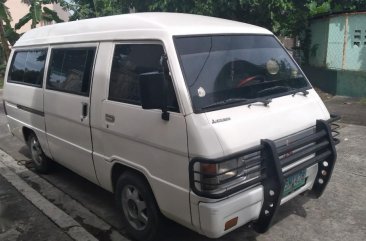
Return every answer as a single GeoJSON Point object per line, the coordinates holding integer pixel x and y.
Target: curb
{"type": "Point", "coordinates": [59, 217]}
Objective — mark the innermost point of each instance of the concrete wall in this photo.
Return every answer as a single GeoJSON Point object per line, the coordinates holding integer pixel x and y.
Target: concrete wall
{"type": "Point", "coordinates": [337, 30]}
{"type": "Point", "coordinates": [19, 9]}
{"type": "Point", "coordinates": [339, 42]}
{"type": "Point", "coordinates": [355, 57]}
{"type": "Point", "coordinates": [338, 54]}
{"type": "Point", "coordinates": [319, 42]}
{"type": "Point", "coordinates": [337, 82]}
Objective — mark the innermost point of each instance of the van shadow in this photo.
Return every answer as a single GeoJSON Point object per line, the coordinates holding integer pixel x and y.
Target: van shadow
{"type": "Point", "coordinates": [24, 150]}
{"type": "Point", "coordinates": [246, 233]}
{"type": "Point", "coordinates": [101, 203]}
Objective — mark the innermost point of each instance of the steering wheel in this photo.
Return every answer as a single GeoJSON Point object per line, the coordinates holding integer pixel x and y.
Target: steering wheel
{"type": "Point", "coordinates": [249, 79]}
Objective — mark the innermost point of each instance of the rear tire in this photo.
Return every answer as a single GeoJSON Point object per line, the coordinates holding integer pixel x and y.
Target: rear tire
{"type": "Point", "coordinates": [42, 163]}
{"type": "Point", "coordinates": [139, 212]}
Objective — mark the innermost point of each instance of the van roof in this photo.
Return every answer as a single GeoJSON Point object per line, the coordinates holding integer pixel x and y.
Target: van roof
{"type": "Point", "coordinates": [138, 25]}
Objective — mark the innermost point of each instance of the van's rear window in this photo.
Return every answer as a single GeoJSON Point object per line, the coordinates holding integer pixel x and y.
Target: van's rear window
{"type": "Point", "coordinates": [27, 67]}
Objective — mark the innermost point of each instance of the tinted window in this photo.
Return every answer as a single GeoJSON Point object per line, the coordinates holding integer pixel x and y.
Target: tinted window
{"type": "Point", "coordinates": [221, 71]}
{"type": "Point", "coordinates": [129, 62]}
{"type": "Point", "coordinates": [28, 67]}
{"type": "Point", "coordinates": [70, 70]}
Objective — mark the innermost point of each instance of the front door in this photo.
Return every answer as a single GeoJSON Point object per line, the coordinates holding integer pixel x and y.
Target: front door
{"type": "Point", "coordinates": [125, 133]}
{"type": "Point", "coordinates": [66, 107]}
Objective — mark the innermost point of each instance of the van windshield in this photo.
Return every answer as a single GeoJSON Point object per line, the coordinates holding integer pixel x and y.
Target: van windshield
{"type": "Point", "coordinates": [229, 70]}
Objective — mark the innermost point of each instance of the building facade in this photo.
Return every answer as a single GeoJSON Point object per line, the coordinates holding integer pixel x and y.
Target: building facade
{"type": "Point", "coordinates": [339, 41]}
{"type": "Point", "coordinates": [337, 54]}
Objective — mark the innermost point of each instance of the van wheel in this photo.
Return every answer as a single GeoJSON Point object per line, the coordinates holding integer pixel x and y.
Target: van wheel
{"type": "Point", "coordinates": [140, 213]}
{"type": "Point", "coordinates": [41, 162]}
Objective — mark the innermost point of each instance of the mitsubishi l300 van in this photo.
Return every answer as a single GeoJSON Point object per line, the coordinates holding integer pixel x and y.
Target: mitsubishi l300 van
{"type": "Point", "coordinates": [208, 122]}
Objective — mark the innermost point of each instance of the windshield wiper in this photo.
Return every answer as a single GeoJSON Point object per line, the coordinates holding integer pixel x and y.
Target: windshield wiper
{"type": "Point", "coordinates": [304, 92]}
{"type": "Point", "coordinates": [283, 88]}
{"type": "Point", "coordinates": [225, 102]}
{"type": "Point", "coordinates": [278, 88]}
{"type": "Point", "coordinates": [236, 100]}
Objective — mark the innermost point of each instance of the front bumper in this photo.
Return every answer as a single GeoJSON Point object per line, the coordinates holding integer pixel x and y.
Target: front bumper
{"type": "Point", "coordinates": [315, 153]}
{"type": "Point", "coordinates": [245, 206]}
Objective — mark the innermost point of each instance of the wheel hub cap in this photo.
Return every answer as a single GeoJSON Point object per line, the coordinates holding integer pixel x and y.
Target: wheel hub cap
{"type": "Point", "coordinates": [134, 207]}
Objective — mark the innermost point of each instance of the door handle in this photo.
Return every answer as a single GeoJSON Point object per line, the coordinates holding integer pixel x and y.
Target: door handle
{"type": "Point", "coordinates": [110, 118]}
{"type": "Point", "coordinates": [84, 110]}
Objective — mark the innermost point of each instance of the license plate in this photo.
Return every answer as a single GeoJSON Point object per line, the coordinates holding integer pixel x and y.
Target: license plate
{"type": "Point", "coordinates": [294, 182]}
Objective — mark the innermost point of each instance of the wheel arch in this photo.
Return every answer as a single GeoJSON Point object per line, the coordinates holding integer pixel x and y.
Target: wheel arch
{"type": "Point", "coordinates": [27, 132]}
{"type": "Point", "coordinates": [118, 169]}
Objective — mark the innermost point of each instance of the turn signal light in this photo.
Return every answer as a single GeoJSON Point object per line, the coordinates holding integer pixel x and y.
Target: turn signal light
{"type": "Point", "coordinates": [209, 168]}
{"type": "Point", "coordinates": [231, 223]}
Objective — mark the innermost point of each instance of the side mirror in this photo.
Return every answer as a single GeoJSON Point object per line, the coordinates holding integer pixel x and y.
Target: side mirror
{"type": "Point", "coordinates": [153, 91]}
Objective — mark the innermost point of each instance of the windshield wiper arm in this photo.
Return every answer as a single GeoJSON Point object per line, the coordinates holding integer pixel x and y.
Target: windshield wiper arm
{"type": "Point", "coordinates": [224, 102]}
{"type": "Point", "coordinates": [265, 102]}
{"type": "Point", "coordinates": [275, 88]}
{"type": "Point", "coordinates": [304, 92]}
{"type": "Point", "coordinates": [285, 88]}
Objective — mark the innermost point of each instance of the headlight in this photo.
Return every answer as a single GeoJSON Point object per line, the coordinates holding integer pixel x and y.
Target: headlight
{"type": "Point", "coordinates": [228, 169]}
{"type": "Point", "coordinates": [218, 177]}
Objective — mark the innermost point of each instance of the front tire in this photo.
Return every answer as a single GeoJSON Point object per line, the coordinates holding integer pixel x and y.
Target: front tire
{"type": "Point", "coordinates": [140, 213]}
{"type": "Point", "coordinates": [42, 163]}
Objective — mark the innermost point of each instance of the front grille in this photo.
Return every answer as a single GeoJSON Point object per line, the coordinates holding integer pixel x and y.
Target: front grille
{"type": "Point", "coordinates": [302, 150]}
{"type": "Point", "coordinates": [294, 153]}
{"type": "Point", "coordinates": [268, 164]}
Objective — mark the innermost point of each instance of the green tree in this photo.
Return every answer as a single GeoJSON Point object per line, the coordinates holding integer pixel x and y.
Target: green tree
{"type": "Point", "coordinates": [5, 19]}
{"type": "Point", "coordinates": [266, 13]}
{"type": "Point", "coordinates": [83, 9]}
{"type": "Point", "coordinates": [37, 13]}
{"type": "Point", "coordinates": [284, 17]}
{"type": "Point", "coordinates": [317, 7]}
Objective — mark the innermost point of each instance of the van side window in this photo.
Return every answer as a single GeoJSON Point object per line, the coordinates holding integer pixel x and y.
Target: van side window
{"type": "Point", "coordinates": [28, 67]}
{"type": "Point", "coordinates": [129, 62]}
{"type": "Point", "coordinates": [70, 70]}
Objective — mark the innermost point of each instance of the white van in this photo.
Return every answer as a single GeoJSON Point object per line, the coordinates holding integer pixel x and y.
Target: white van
{"type": "Point", "coordinates": [205, 121]}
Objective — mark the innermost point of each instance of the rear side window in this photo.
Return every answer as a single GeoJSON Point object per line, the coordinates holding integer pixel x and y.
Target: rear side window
{"type": "Point", "coordinates": [129, 62]}
{"type": "Point", "coordinates": [70, 70]}
{"type": "Point", "coordinates": [28, 67]}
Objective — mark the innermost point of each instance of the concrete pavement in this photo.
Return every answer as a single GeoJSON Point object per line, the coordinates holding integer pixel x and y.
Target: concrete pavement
{"type": "Point", "coordinates": [352, 110]}
{"type": "Point", "coordinates": [65, 223]}
{"type": "Point", "coordinates": [21, 220]}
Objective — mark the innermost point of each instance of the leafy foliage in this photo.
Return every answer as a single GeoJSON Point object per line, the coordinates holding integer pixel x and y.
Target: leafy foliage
{"type": "Point", "coordinates": [276, 15]}
{"type": "Point", "coordinates": [333, 6]}
{"type": "Point", "coordinates": [284, 17]}
{"type": "Point", "coordinates": [37, 13]}
{"type": "Point", "coordinates": [96, 8]}
{"type": "Point", "coordinates": [7, 33]}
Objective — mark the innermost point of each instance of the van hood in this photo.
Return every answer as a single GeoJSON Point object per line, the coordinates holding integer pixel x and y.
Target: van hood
{"type": "Point", "coordinates": [242, 127]}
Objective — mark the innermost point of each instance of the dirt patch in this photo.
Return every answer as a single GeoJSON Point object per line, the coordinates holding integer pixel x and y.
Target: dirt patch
{"type": "Point", "coordinates": [323, 95]}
